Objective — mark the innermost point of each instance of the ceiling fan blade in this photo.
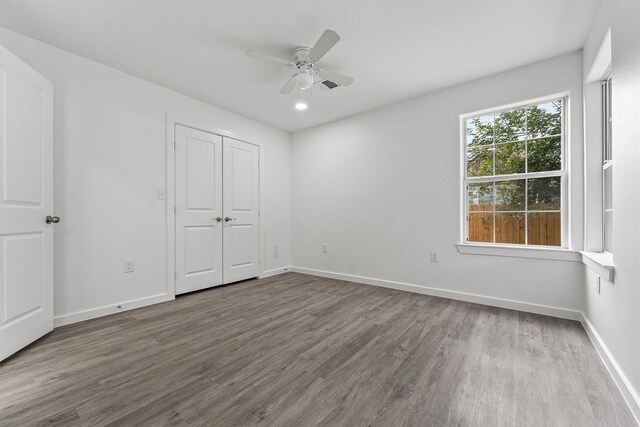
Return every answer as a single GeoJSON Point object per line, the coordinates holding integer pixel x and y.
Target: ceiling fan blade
{"type": "Point", "coordinates": [289, 85]}
{"type": "Point", "coordinates": [338, 78]}
{"type": "Point", "coordinates": [269, 58]}
{"type": "Point", "coordinates": [327, 40]}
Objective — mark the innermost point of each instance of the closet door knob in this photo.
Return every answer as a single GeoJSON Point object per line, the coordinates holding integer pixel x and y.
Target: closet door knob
{"type": "Point", "coordinates": [52, 219]}
{"type": "Point", "coordinates": [218, 218]}
{"type": "Point", "coordinates": [227, 219]}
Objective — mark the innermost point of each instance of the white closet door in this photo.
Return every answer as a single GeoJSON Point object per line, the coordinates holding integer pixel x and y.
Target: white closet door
{"type": "Point", "coordinates": [198, 209]}
{"type": "Point", "coordinates": [241, 204]}
{"type": "Point", "coordinates": [26, 199]}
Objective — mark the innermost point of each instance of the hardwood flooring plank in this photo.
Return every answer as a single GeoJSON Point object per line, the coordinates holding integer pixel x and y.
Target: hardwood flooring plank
{"type": "Point", "coordinates": [298, 350]}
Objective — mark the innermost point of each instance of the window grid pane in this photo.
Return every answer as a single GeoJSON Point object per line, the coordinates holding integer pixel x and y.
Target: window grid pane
{"type": "Point", "coordinates": [608, 240]}
{"type": "Point", "coordinates": [510, 228]}
{"type": "Point", "coordinates": [480, 227]}
{"type": "Point", "coordinates": [526, 146]}
{"type": "Point", "coordinates": [606, 121]}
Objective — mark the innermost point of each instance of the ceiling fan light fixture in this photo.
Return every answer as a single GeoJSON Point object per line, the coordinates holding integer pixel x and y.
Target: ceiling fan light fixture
{"type": "Point", "coordinates": [302, 99]}
{"type": "Point", "coordinates": [304, 80]}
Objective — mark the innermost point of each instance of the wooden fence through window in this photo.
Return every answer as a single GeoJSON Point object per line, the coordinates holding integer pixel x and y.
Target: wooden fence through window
{"type": "Point", "coordinates": [544, 228]}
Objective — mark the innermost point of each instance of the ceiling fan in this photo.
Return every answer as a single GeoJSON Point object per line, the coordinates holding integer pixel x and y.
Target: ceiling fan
{"type": "Point", "coordinates": [306, 61]}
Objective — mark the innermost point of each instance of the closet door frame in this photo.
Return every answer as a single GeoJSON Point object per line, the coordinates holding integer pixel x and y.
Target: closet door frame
{"type": "Point", "coordinates": [170, 190]}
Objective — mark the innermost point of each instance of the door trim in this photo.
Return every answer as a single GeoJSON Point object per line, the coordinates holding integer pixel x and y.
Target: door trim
{"type": "Point", "coordinates": [171, 122]}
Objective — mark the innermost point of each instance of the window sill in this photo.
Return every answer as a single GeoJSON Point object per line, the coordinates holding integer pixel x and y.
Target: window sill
{"type": "Point", "coordinates": [555, 254]}
{"type": "Point", "coordinates": [600, 262]}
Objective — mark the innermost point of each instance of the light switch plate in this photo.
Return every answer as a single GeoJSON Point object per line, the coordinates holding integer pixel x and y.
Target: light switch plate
{"type": "Point", "coordinates": [161, 194]}
{"type": "Point", "coordinates": [129, 265]}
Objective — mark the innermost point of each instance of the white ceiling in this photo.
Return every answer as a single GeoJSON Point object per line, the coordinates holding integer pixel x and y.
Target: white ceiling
{"type": "Point", "coordinates": [395, 49]}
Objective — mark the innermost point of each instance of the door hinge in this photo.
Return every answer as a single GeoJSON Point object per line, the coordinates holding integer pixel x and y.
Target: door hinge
{"type": "Point", "coordinates": [174, 144]}
{"type": "Point", "coordinates": [175, 210]}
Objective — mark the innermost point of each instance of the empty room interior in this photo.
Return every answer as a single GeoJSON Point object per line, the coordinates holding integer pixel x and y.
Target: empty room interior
{"type": "Point", "coordinates": [301, 213]}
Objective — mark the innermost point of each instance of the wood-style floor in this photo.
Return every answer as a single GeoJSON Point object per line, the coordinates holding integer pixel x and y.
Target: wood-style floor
{"type": "Point", "coordinates": [296, 350]}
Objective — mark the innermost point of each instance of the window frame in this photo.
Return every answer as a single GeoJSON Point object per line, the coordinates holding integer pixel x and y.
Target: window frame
{"type": "Point", "coordinates": [607, 155]}
{"type": "Point", "coordinates": [563, 173]}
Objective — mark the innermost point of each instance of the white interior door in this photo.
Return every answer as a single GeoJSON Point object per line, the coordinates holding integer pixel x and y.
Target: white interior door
{"type": "Point", "coordinates": [198, 209]}
{"type": "Point", "coordinates": [241, 211]}
{"type": "Point", "coordinates": [26, 246]}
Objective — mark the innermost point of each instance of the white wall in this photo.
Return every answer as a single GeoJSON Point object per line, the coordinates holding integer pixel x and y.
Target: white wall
{"type": "Point", "coordinates": [383, 188]}
{"type": "Point", "coordinates": [110, 159]}
{"type": "Point", "coordinates": [615, 313]}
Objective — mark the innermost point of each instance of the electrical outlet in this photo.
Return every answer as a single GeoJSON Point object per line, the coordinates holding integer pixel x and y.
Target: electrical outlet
{"type": "Point", "coordinates": [276, 252]}
{"type": "Point", "coordinates": [129, 265]}
{"type": "Point", "coordinates": [324, 248]}
{"type": "Point", "coordinates": [161, 194]}
{"type": "Point", "coordinates": [598, 282]}
{"type": "Point", "coordinates": [435, 256]}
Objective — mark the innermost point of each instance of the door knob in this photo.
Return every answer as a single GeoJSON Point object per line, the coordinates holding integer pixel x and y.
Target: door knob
{"type": "Point", "coordinates": [52, 219]}
{"type": "Point", "coordinates": [227, 219]}
{"type": "Point", "coordinates": [218, 218]}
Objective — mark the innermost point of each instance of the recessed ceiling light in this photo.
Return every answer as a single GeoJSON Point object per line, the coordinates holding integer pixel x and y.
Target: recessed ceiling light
{"type": "Point", "coordinates": [301, 106]}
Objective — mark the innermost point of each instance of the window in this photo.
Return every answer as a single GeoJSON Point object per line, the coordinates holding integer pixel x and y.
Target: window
{"type": "Point", "coordinates": [515, 175]}
{"type": "Point", "coordinates": [607, 167]}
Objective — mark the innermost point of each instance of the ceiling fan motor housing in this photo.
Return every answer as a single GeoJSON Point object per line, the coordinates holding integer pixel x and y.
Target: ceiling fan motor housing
{"type": "Point", "coordinates": [301, 54]}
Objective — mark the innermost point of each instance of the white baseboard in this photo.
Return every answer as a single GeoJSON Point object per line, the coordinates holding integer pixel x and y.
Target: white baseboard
{"type": "Point", "coordinates": [547, 310]}
{"type": "Point", "coordinates": [628, 392]}
{"type": "Point", "coordinates": [92, 313]}
{"type": "Point", "coordinates": [274, 272]}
